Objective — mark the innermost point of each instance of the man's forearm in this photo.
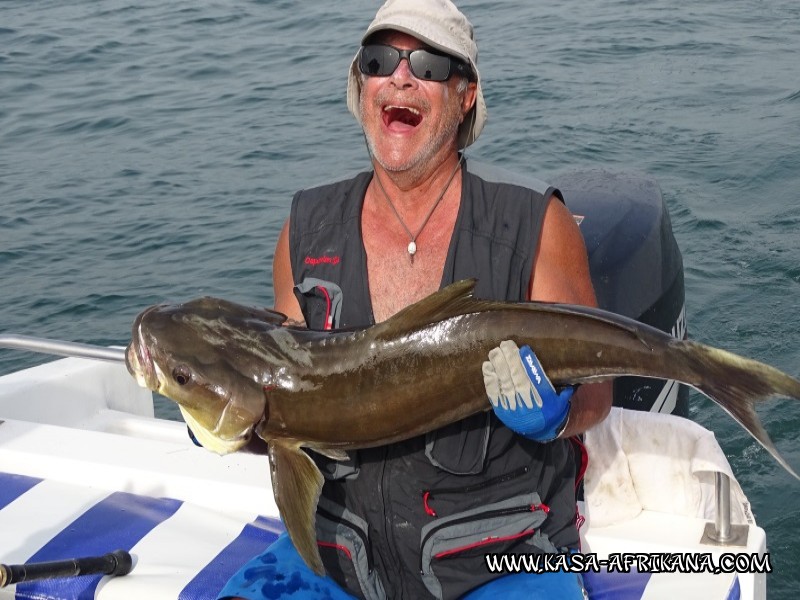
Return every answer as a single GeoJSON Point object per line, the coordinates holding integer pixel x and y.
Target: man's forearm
{"type": "Point", "coordinates": [591, 404]}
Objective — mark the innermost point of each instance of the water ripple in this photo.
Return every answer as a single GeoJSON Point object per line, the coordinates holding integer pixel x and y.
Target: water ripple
{"type": "Point", "coordinates": [150, 150]}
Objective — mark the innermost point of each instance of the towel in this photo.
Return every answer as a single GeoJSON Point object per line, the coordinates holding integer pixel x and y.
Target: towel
{"type": "Point", "coordinates": [658, 462]}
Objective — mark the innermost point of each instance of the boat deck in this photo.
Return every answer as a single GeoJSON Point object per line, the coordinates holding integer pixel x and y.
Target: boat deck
{"type": "Point", "coordinates": [86, 469]}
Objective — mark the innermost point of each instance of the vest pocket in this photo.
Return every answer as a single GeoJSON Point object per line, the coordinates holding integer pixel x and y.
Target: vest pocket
{"type": "Point", "coordinates": [460, 448]}
{"type": "Point", "coordinates": [455, 545]}
{"type": "Point", "coordinates": [321, 303]}
{"type": "Point", "coordinates": [345, 550]}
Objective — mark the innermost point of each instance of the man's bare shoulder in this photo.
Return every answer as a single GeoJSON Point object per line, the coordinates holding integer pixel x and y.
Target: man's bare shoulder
{"type": "Point", "coordinates": [561, 266]}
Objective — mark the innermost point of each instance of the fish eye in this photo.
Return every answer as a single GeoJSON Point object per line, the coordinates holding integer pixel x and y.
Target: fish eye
{"type": "Point", "coordinates": [181, 374]}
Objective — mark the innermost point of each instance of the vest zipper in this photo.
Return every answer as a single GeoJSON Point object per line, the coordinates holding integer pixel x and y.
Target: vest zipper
{"type": "Point", "coordinates": [428, 495]}
{"type": "Point", "coordinates": [353, 527]}
{"type": "Point", "coordinates": [328, 316]}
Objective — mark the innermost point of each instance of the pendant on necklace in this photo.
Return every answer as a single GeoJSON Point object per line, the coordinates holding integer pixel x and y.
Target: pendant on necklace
{"type": "Point", "coordinates": [412, 247]}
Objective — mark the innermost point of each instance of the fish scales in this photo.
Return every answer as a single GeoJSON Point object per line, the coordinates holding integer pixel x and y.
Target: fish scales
{"type": "Point", "coordinates": [449, 369]}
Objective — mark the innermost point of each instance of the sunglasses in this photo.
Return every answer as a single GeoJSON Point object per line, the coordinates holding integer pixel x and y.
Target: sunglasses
{"type": "Point", "coordinates": [380, 60]}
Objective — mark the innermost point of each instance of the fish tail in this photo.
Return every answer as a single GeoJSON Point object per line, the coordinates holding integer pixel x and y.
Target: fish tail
{"type": "Point", "coordinates": [737, 384]}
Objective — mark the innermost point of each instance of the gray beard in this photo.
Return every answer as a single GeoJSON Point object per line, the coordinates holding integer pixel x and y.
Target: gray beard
{"type": "Point", "coordinates": [417, 165]}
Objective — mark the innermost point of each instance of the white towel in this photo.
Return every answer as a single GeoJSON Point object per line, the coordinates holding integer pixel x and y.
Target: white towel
{"type": "Point", "coordinates": [651, 461]}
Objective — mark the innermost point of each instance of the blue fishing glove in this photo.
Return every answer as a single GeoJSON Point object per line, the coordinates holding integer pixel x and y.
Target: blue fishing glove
{"type": "Point", "coordinates": [521, 394]}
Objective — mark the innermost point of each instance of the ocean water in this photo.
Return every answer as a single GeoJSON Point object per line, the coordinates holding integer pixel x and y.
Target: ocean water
{"type": "Point", "coordinates": [149, 152]}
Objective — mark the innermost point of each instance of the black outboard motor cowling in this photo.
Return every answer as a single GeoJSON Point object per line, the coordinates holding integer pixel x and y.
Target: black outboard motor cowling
{"type": "Point", "coordinates": [636, 267]}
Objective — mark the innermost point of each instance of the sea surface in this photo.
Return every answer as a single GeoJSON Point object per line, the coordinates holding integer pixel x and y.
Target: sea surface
{"type": "Point", "coordinates": [149, 152]}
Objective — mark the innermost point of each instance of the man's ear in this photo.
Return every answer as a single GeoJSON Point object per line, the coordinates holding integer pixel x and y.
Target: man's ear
{"type": "Point", "coordinates": [469, 98]}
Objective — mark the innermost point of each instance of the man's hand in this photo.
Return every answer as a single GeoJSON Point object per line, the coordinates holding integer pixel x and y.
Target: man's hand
{"type": "Point", "coordinates": [521, 394]}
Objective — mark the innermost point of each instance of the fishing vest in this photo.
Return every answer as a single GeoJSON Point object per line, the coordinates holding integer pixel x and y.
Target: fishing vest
{"type": "Point", "coordinates": [414, 519]}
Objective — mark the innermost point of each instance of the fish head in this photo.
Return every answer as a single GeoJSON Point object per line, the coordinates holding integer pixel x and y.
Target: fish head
{"type": "Point", "coordinates": [203, 355]}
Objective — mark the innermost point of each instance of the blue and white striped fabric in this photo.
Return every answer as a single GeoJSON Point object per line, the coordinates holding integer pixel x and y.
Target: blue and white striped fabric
{"type": "Point", "coordinates": [180, 550]}
{"type": "Point", "coordinates": [185, 552]}
{"type": "Point", "coordinates": [649, 586]}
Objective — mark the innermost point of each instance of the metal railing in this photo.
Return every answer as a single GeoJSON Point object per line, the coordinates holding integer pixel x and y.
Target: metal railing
{"type": "Point", "coordinates": [721, 532]}
{"type": "Point", "coordinates": [61, 348]}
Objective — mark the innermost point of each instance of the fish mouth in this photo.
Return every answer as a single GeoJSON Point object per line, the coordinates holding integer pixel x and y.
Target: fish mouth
{"type": "Point", "coordinates": [138, 359]}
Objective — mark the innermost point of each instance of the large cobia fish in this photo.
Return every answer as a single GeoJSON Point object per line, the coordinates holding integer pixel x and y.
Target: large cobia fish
{"type": "Point", "coordinates": [234, 369]}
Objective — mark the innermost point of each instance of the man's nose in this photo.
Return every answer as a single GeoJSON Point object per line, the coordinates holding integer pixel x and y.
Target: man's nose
{"type": "Point", "coordinates": [402, 74]}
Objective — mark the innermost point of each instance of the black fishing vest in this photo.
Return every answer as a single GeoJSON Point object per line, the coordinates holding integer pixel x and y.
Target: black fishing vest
{"type": "Point", "coordinates": [415, 519]}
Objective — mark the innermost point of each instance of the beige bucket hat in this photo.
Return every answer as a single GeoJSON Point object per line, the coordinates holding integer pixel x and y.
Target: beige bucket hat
{"type": "Point", "coordinates": [441, 25]}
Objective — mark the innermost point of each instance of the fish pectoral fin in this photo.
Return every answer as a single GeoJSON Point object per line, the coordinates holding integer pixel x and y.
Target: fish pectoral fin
{"type": "Point", "coordinates": [333, 453]}
{"type": "Point", "coordinates": [296, 484]}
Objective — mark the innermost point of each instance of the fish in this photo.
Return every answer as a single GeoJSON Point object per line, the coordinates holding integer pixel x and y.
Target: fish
{"type": "Point", "coordinates": [236, 370]}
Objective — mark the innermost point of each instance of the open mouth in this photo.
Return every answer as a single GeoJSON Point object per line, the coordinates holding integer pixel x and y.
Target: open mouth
{"type": "Point", "coordinates": [138, 360]}
{"type": "Point", "coordinates": [403, 116]}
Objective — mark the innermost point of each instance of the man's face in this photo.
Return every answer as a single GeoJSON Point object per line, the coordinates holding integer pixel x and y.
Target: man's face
{"type": "Point", "coordinates": [409, 121]}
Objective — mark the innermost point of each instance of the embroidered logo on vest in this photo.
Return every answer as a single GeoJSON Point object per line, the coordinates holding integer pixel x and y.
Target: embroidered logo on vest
{"type": "Point", "coordinates": [322, 260]}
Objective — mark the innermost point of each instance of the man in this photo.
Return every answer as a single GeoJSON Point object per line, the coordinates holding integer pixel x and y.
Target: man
{"type": "Point", "coordinates": [414, 519]}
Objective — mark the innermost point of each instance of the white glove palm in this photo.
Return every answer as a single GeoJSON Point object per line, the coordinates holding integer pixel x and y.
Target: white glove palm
{"type": "Point", "coordinates": [521, 394]}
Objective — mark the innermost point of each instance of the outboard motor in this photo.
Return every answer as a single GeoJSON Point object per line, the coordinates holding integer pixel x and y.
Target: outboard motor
{"type": "Point", "coordinates": [636, 267]}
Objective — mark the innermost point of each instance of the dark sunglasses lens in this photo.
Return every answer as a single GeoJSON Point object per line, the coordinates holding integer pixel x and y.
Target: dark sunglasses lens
{"type": "Point", "coordinates": [381, 61]}
{"type": "Point", "coordinates": [377, 60]}
{"type": "Point", "coordinates": [430, 66]}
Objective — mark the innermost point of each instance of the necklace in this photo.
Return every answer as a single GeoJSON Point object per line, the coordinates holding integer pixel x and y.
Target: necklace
{"type": "Point", "coordinates": [412, 245]}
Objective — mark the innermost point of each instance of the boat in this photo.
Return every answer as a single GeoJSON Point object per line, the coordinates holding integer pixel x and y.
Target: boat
{"type": "Point", "coordinates": [87, 468]}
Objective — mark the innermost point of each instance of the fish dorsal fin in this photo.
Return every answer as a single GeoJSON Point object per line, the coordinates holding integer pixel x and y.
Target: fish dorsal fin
{"type": "Point", "coordinates": [455, 299]}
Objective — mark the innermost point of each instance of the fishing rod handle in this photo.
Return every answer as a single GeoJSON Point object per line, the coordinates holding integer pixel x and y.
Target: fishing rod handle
{"type": "Point", "coordinates": [114, 563]}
